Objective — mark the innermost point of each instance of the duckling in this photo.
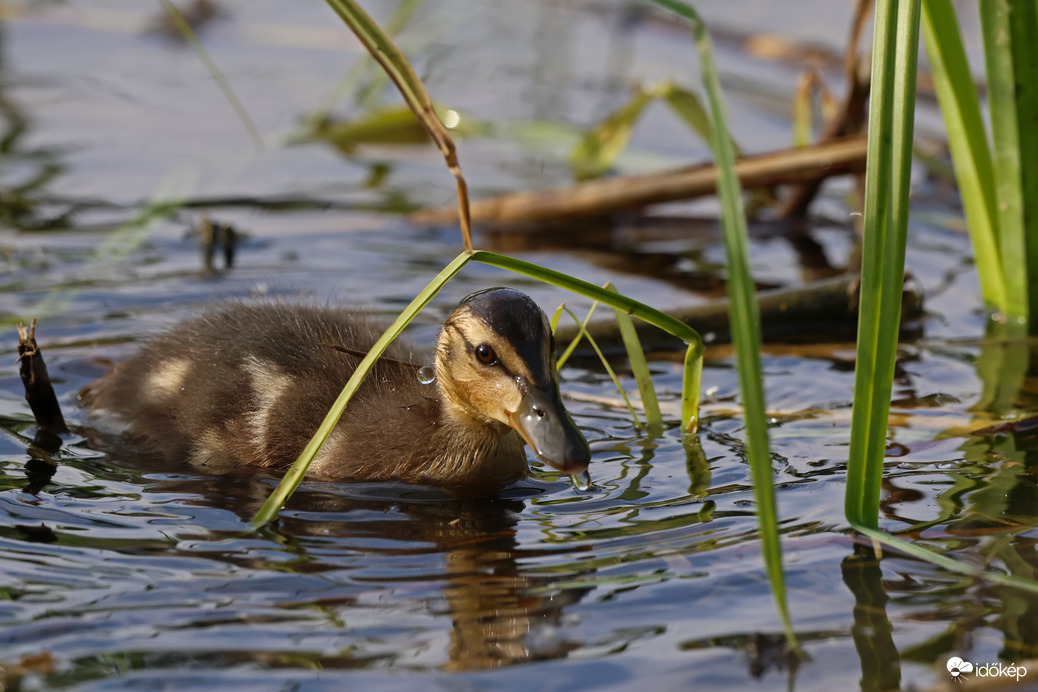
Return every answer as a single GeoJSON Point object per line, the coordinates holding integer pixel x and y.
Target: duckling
{"type": "Point", "coordinates": [248, 385]}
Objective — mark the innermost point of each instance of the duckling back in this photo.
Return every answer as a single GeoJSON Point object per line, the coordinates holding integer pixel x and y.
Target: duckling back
{"type": "Point", "coordinates": [248, 385]}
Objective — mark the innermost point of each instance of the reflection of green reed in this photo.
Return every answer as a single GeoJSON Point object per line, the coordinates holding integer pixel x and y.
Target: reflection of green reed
{"type": "Point", "coordinates": [872, 631]}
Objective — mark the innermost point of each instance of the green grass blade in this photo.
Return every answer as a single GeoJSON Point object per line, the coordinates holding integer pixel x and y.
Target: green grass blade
{"type": "Point", "coordinates": [891, 119]}
{"type": "Point", "coordinates": [640, 370]}
{"type": "Point", "coordinates": [997, 17]}
{"type": "Point", "coordinates": [576, 339]}
{"type": "Point", "coordinates": [803, 126]}
{"type": "Point", "coordinates": [691, 386]}
{"type": "Point", "coordinates": [687, 106]}
{"type": "Point", "coordinates": [554, 321]}
{"type": "Point", "coordinates": [298, 470]}
{"type": "Point", "coordinates": [744, 316]}
{"type": "Point", "coordinates": [192, 40]}
{"type": "Point", "coordinates": [967, 142]}
{"type": "Point", "coordinates": [606, 365]}
{"type": "Point", "coordinates": [943, 561]}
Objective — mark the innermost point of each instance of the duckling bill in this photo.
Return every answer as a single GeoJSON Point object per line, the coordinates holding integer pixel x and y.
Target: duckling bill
{"type": "Point", "coordinates": [248, 385]}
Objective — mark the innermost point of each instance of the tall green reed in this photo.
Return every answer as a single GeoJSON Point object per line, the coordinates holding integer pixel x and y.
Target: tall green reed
{"type": "Point", "coordinates": [891, 117]}
{"type": "Point", "coordinates": [998, 183]}
{"type": "Point", "coordinates": [891, 122]}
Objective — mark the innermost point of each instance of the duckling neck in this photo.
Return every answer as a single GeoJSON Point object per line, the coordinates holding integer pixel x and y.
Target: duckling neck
{"type": "Point", "coordinates": [473, 456]}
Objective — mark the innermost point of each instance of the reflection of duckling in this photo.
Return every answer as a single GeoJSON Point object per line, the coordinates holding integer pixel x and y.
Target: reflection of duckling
{"type": "Point", "coordinates": [249, 385]}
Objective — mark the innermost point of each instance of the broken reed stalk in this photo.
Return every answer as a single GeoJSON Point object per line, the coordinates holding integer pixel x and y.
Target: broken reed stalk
{"type": "Point", "coordinates": [600, 197]}
{"type": "Point", "coordinates": [38, 389]}
{"type": "Point", "coordinates": [382, 49]}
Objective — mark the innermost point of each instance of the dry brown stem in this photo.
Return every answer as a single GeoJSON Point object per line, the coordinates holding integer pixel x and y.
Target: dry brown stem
{"type": "Point", "coordinates": [607, 196]}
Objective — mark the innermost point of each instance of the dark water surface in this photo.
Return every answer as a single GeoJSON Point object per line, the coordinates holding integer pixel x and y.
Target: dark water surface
{"type": "Point", "coordinates": [115, 575]}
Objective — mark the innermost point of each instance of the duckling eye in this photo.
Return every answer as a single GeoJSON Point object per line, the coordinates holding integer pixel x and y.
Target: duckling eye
{"type": "Point", "coordinates": [486, 355]}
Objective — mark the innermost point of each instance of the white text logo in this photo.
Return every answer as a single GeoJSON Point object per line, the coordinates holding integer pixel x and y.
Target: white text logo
{"type": "Point", "coordinates": [958, 669]}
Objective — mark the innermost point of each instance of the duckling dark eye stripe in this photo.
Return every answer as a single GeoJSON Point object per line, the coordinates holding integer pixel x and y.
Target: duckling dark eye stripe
{"type": "Point", "coordinates": [517, 320]}
{"type": "Point", "coordinates": [497, 359]}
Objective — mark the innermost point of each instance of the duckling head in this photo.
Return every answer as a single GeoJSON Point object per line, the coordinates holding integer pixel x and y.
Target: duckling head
{"type": "Point", "coordinates": [495, 365]}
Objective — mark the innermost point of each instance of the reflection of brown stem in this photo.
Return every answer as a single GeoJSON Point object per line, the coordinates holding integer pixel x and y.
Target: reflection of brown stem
{"type": "Point", "coordinates": [600, 197]}
{"type": "Point", "coordinates": [38, 390]}
{"type": "Point", "coordinates": [818, 309]}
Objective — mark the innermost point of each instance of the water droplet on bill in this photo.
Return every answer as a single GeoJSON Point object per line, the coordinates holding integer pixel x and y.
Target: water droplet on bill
{"type": "Point", "coordinates": [582, 481]}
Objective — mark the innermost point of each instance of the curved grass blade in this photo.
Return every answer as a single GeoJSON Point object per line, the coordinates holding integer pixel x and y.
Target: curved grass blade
{"type": "Point", "coordinates": [640, 370]}
{"type": "Point", "coordinates": [382, 48]}
{"type": "Point", "coordinates": [598, 150]}
{"type": "Point", "coordinates": [298, 470]}
{"type": "Point", "coordinates": [554, 321]}
{"type": "Point", "coordinates": [693, 357]}
{"type": "Point", "coordinates": [687, 106]}
{"type": "Point", "coordinates": [391, 125]}
{"type": "Point", "coordinates": [605, 364]}
{"type": "Point", "coordinates": [943, 561]}
{"type": "Point", "coordinates": [693, 375]}
{"type": "Point", "coordinates": [189, 35]}
{"type": "Point", "coordinates": [578, 336]}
